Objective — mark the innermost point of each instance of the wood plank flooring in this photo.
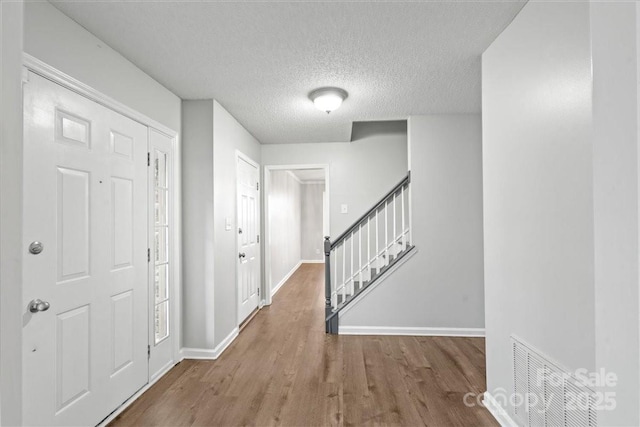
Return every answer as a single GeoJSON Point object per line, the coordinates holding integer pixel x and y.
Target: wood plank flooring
{"type": "Point", "coordinates": [284, 370]}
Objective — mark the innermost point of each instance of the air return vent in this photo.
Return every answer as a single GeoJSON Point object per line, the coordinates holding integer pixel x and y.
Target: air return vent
{"type": "Point", "coordinates": [546, 395]}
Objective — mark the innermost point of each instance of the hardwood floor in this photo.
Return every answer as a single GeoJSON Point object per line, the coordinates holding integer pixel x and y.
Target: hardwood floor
{"type": "Point", "coordinates": [284, 370]}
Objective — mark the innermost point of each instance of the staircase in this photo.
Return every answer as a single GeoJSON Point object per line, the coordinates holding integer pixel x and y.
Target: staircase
{"type": "Point", "coordinates": [366, 250]}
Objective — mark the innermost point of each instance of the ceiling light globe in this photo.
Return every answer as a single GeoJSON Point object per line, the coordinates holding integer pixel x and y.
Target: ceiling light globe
{"type": "Point", "coordinates": [328, 99]}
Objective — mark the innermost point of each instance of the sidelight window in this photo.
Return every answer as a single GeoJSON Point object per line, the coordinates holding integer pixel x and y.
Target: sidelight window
{"type": "Point", "coordinates": [161, 246]}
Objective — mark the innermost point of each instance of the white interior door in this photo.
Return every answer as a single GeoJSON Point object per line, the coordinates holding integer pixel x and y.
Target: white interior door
{"type": "Point", "coordinates": [85, 200]}
{"type": "Point", "coordinates": [248, 237]}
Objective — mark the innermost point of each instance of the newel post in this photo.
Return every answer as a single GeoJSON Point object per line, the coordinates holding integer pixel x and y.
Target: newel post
{"type": "Point", "coordinates": [327, 279]}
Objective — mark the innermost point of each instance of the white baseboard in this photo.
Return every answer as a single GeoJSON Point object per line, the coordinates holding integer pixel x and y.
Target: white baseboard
{"type": "Point", "coordinates": [207, 353]}
{"type": "Point", "coordinates": [135, 397]}
{"type": "Point", "coordinates": [498, 412]}
{"type": "Point", "coordinates": [197, 353]}
{"type": "Point", "coordinates": [226, 342]}
{"type": "Point", "coordinates": [166, 368]}
{"type": "Point", "coordinates": [284, 280]}
{"type": "Point", "coordinates": [312, 261]}
{"type": "Point", "coordinates": [411, 331]}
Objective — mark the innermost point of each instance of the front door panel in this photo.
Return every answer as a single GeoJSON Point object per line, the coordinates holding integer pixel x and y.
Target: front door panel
{"type": "Point", "coordinates": [85, 200]}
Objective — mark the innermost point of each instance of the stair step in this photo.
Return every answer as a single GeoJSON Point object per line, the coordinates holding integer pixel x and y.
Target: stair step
{"type": "Point", "coordinates": [341, 300]}
{"type": "Point", "coordinates": [374, 272]}
{"type": "Point", "coordinates": [357, 285]}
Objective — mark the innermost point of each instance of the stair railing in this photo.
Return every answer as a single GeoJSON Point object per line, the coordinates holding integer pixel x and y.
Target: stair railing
{"type": "Point", "coordinates": [366, 250]}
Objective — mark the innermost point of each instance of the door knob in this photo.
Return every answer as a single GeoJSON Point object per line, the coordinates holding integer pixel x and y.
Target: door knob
{"type": "Point", "coordinates": [241, 255]}
{"type": "Point", "coordinates": [38, 305]}
{"type": "Point", "coordinates": [36, 247]}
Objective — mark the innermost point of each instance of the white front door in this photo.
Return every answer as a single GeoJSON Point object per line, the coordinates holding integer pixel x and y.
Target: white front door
{"type": "Point", "coordinates": [248, 237]}
{"type": "Point", "coordinates": [85, 201]}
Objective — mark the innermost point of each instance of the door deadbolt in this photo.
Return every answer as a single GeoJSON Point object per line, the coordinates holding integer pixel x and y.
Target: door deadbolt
{"type": "Point", "coordinates": [36, 247]}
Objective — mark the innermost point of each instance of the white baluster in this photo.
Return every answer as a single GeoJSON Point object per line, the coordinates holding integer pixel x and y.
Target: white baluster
{"type": "Point", "coordinates": [335, 281]}
{"type": "Point", "coordinates": [386, 233]}
{"type": "Point", "coordinates": [377, 251]}
{"type": "Point", "coordinates": [351, 273]}
{"type": "Point", "coordinates": [369, 244]}
{"type": "Point", "coordinates": [360, 253]}
{"type": "Point", "coordinates": [344, 270]}
{"type": "Point", "coordinates": [404, 236]}
{"type": "Point", "coordinates": [395, 224]}
{"type": "Point", "coordinates": [410, 215]}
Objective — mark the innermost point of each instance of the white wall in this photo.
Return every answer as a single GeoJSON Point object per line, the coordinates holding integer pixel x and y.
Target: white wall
{"type": "Point", "coordinates": [228, 136]}
{"type": "Point", "coordinates": [11, 244]}
{"type": "Point", "coordinates": [561, 193]}
{"type": "Point", "coordinates": [211, 137]}
{"type": "Point", "coordinates": [442, 284]}
{"type": "Point", "coordinates": [614, 45]}
{"type": "Point", "coordinates": [56, 39]}
{"type": "Point", "coordinates": [284, 224]}
{"type": "Point", "coordinates": [197, 225]}
{"type": "Point", "coordinates": [312, 240]}
{"type": "Point", "coordinates": [359, 172]}
{"type": "Point", "coordinates": [538, 200]}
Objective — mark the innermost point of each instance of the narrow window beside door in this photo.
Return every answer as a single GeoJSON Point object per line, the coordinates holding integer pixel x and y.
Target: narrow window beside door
{"type": "Point", "coordinates": [161, 259]}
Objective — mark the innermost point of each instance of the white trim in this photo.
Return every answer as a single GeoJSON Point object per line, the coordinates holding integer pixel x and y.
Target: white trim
{"type": "Point", "coordinates": [135, 397]}
{"type": "Point", "coordinates": [411, 331]}
{"type": "Point", "coordinates": [312, 261]}
{"type": "Point", "coordinates": [378, 282]}
{"type": "Point", "coordinates": [324, 166]}
{"type": "Point", "coordinates": [225, 343]}
{"type": "Point", "coordinates": [249, 160]}
{"type": "Point", "coordinates": [498, 412]}
{"type": "Point", "coordinates": [268, 293]}
{"type": "Point", "coordinates": [312, 182]}
{"type": "Point", "coordinates": [207, 353]}
{"type": "Point", "coordinates": [166, 368]}
{"type": "Point", "coordinates": [177, 246]}
{"type": "Point", "coordinates": [174, 249]}
{"type": "Point", "coordinates": [197, 353]}
{"type": "Point", "coordinates": [295, 178]}
{"type": "Point", "coordinates": [220, 348]}
{"type": "Point", "coordinates": [48, 72]}
{"type": "Point", "coordinates": [285, 278]}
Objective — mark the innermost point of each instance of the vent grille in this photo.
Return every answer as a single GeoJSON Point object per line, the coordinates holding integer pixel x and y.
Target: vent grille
{"type": "Point", "coordinates": [547, 396]}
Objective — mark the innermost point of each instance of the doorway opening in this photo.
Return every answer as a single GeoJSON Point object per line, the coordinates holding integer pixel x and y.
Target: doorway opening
{"type": "Point", "coordinates": [296, 220]}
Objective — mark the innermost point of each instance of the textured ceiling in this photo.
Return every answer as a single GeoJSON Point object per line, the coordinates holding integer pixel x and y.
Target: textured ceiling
{"type": "Point", "coordinates": [261, 59]}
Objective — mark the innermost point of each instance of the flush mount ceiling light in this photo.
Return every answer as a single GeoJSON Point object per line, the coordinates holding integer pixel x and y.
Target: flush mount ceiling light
{"type": "Point", "coordinates": [328, 98]}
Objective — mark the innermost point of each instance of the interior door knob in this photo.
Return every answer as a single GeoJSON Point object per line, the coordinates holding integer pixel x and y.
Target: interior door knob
{"type": "Point", "coordinates": [36, 247]}
{"type": "Point", "coordinates": [241, 255]}
{"type": "Point", "coordinates": [38, 305]}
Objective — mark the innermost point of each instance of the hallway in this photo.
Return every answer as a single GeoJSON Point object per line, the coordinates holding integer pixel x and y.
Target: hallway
{"type": "Point", "coordinates": [284, 370]}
